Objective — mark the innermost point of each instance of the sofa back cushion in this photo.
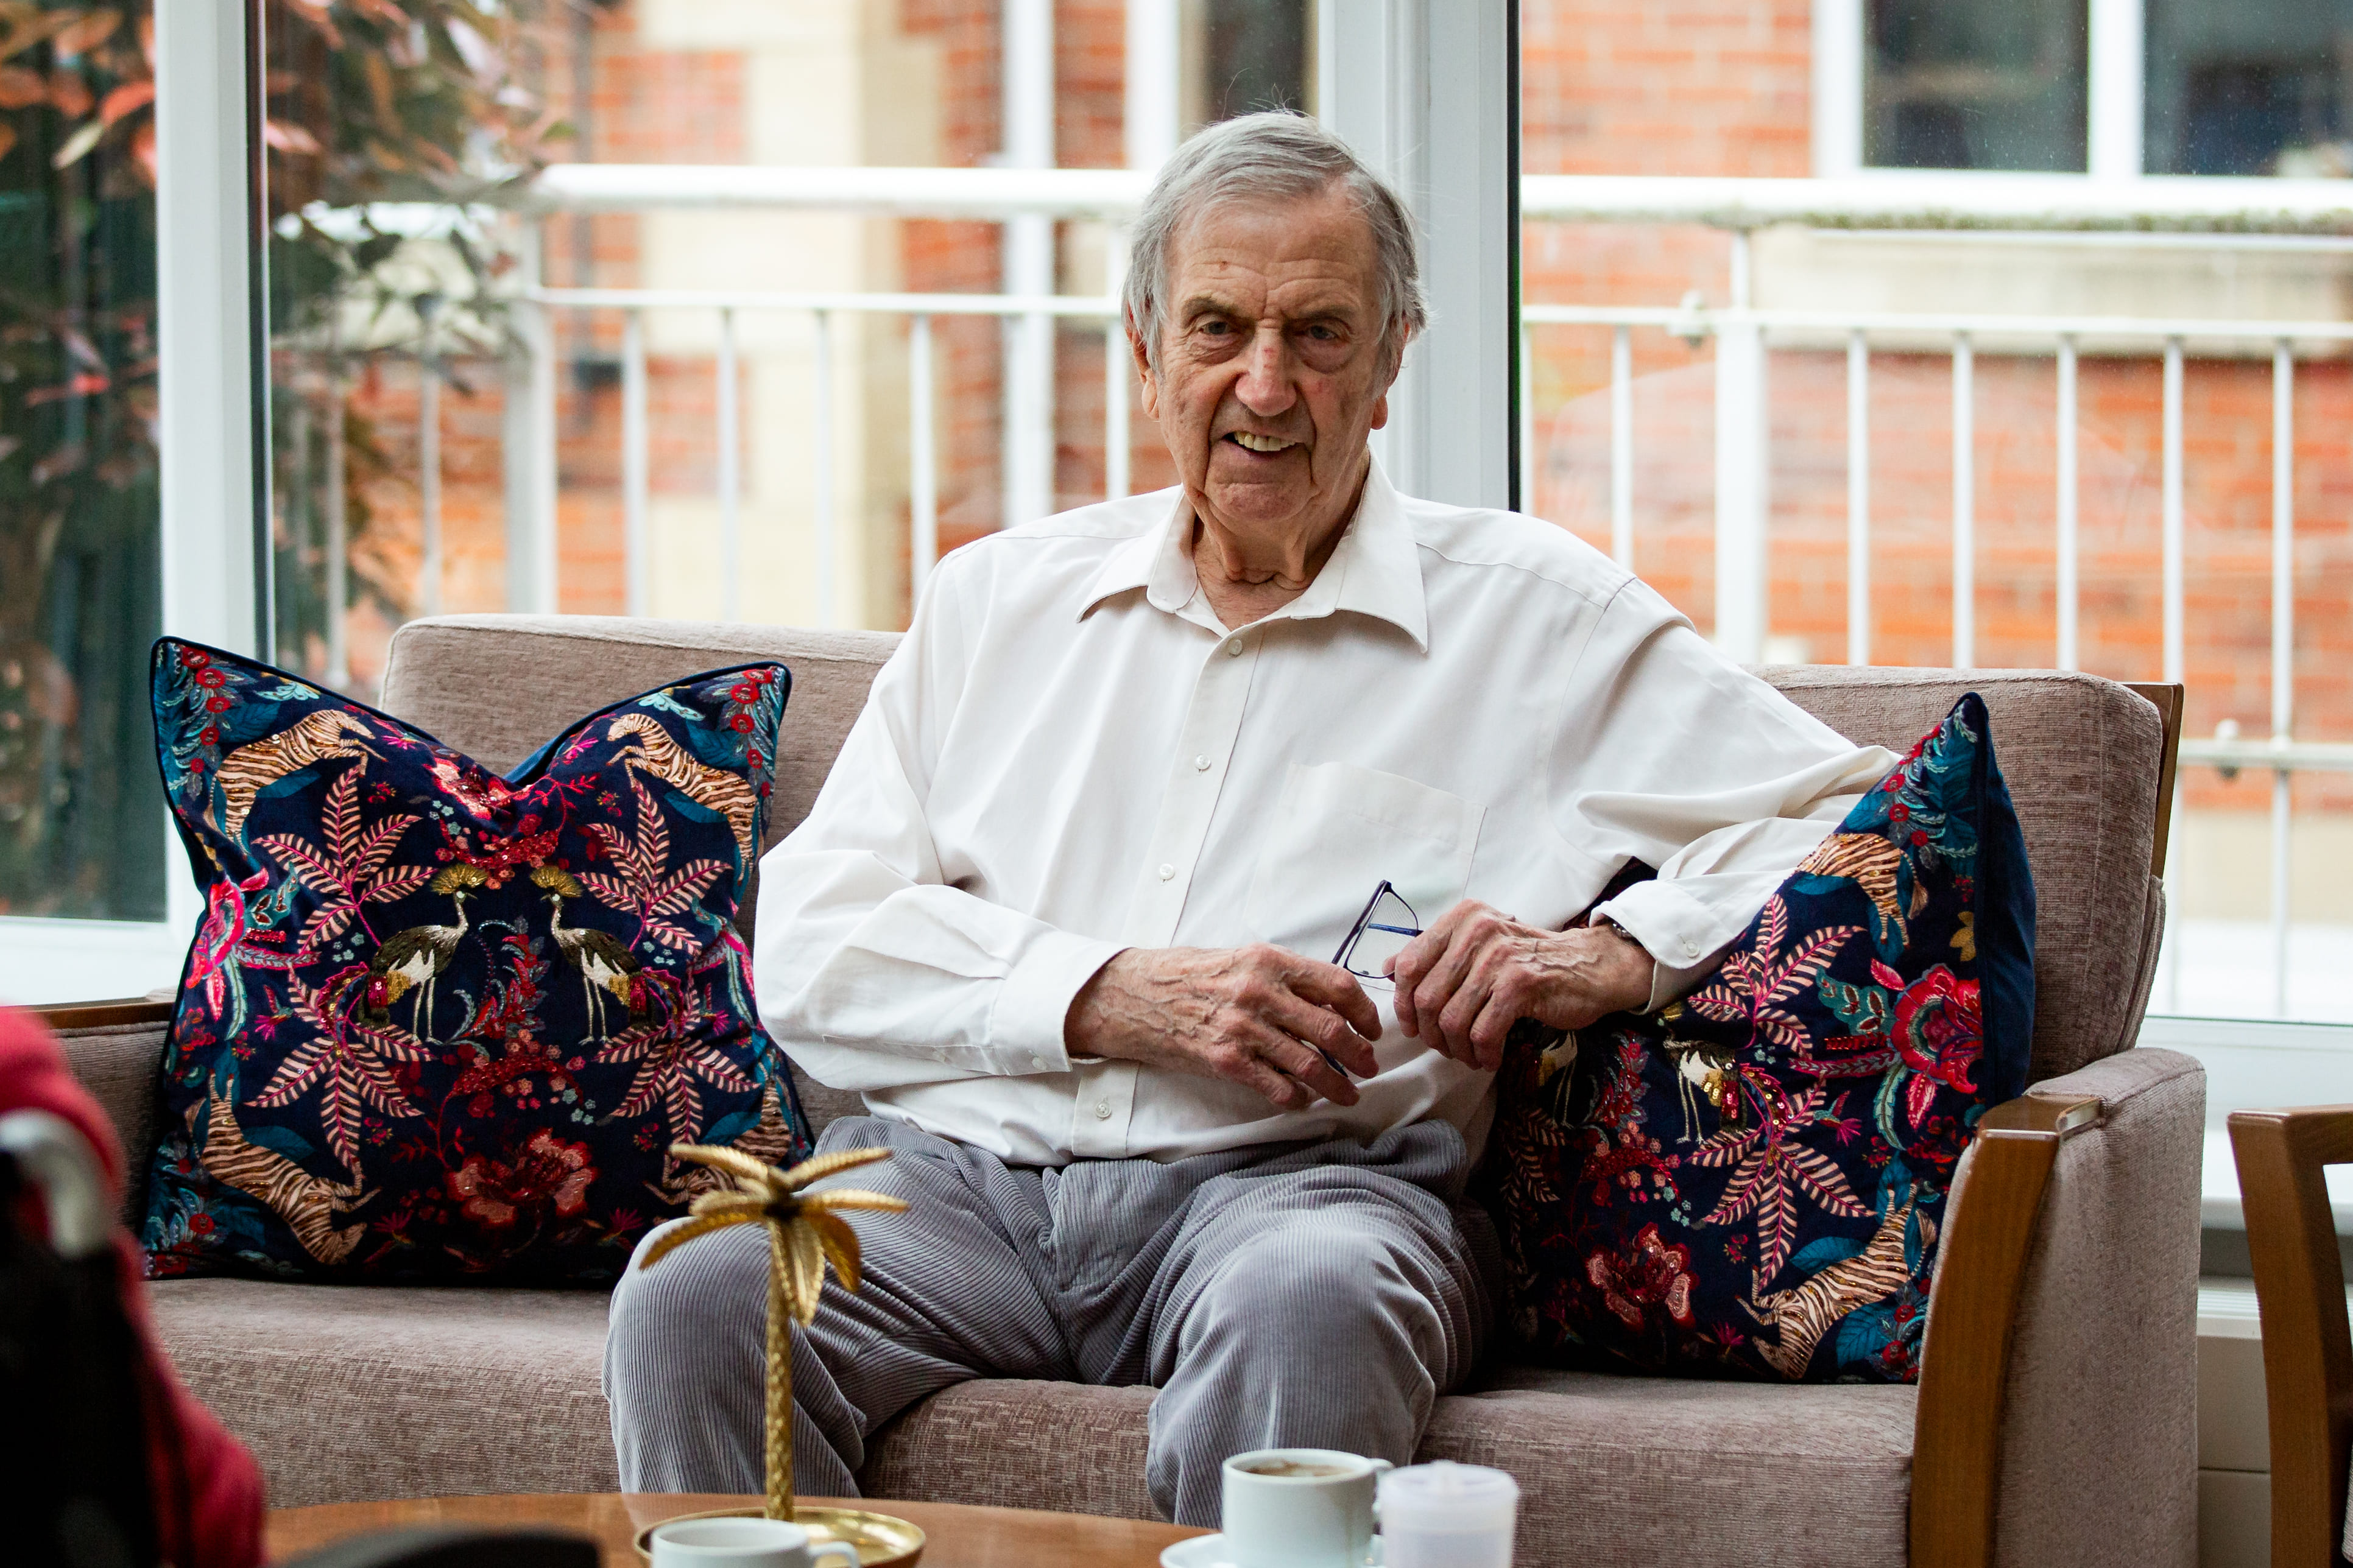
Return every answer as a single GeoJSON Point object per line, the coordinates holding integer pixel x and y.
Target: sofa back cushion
{"type": "Point", "coordinates": [2082, 755]}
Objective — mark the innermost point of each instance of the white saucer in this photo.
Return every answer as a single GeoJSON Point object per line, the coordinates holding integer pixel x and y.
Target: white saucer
{"type": "Point", "coordinates": [1209, 1551]}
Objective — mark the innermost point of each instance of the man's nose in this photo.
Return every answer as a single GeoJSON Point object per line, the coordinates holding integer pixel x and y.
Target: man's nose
{"type": "Point", "coordinates": [1266, 388]}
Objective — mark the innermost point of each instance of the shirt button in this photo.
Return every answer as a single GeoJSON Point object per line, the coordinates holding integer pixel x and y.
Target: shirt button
{"type": "Point", "coordinates": [1234, 648]}
{"type": "Point", "coordinates": [1039, 1062]}
{"type": "Point", "coordinates": [1201, 764]}
{"type": "Point", "coordinates": [1166, 872]}
{"type": "Point", "coordinates": [1691, 948]}
{"type": "Point", "coordinates": [1102, 1110]}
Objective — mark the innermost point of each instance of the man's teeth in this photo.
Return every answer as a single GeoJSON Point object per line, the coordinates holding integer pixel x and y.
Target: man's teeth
{"type": "Point", "coordinates": [1258, 443]}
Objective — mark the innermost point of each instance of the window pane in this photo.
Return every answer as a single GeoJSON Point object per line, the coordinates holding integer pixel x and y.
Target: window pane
{"type": "Point", "coordinates": [1975, 84]}
{"type": "Point", "coordinates": [2249, 86]}
{"type": "Point", "coordinates": [81, 818]}
{"type": "Point", "coordinates": [390, 300]}
{"type": "Point", "coordinates": [1253, 55]}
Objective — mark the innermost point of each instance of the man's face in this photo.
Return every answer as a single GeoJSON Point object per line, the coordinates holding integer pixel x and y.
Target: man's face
{"type": "Point", "coordinates": [1274, 366]}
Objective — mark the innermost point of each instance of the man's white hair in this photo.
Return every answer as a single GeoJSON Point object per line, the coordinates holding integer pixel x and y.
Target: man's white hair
{"type": "Point", "coordinates": [1276, 155]}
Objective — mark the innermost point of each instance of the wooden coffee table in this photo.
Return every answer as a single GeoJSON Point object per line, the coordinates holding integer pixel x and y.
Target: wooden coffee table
{"type": "Point", "coordinates": [962, 1536]}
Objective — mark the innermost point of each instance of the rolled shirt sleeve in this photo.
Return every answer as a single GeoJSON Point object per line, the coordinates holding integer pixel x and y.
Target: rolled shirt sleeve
{"type": "Point", "coordinates": [1692, 764]}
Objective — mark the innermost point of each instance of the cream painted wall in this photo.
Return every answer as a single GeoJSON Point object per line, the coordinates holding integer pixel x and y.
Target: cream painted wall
{"type": "Point", "coordinates": [828, 82]}
{"type": "Point", "coordinates": [2226, 866]}
{"type": "Point", "coordinates": [1831, 270]}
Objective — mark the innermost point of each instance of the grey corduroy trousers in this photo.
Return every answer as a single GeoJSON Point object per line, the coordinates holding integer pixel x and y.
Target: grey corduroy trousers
{"type": "Point", "coordinates": [1317, 1295]}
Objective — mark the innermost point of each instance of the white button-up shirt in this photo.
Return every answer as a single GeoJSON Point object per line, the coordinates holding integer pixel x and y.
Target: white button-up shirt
{"type": "Point", "coordinates": [1068, 756]}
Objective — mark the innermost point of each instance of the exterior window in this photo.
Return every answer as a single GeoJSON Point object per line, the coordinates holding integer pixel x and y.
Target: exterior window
{"type": "Point", "coordinates": [1249, 55]}
{"type": "Point", "coordinates": [1990, 84]}
{"type": "Point", "coordinates": [388, 333]}
{"type": "Point", "coordinates": [81, 819]}
{"type": "Point", "coordinates": [2250, 87]}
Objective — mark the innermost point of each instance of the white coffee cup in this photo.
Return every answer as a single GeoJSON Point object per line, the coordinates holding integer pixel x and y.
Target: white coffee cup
{"type": "Point", "coordinates": [1300, 1507]}
{"type": "Point", "coordinates": [742, 1543]}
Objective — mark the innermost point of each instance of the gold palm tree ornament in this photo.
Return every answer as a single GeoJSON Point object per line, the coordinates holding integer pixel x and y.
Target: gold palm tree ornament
{"type": "Point", "coordinates": [805, 1230]}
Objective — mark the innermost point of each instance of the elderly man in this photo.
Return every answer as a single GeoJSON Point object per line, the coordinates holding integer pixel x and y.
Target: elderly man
{"type": "Point", "coordinates": [1063, 911]}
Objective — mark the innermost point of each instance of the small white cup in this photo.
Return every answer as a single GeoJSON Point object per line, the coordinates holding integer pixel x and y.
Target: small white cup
{"type": "Point", "coordinates": [1321, 1516]}
{"type": "Point", "coordinates": [742, 1543]}
{"type": "Point", "coordinates": [1445, 1515]}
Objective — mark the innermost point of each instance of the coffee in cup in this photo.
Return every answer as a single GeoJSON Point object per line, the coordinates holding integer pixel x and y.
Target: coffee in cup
{"type": "Point", "coordinates": [1300, 1507]}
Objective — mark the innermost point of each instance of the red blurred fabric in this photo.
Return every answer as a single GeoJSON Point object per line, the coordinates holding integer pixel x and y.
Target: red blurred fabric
{"type": "Point", "coordinates": [208, 1501]}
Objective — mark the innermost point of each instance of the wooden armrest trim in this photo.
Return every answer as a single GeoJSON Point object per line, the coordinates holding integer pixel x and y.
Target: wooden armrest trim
{"type": "Point", "coordinates": [105, 1014]}
{"type": "Point", "coordinates": [1972, 1317]}
{"type": "Point", "coordinates": [2300, 1289]}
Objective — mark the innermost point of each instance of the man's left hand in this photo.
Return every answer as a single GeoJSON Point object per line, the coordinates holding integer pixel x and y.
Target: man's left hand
{"type": "Point", "coordinates": [1462, 984]}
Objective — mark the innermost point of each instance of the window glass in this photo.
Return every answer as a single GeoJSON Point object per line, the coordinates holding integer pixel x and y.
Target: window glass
{"type": "Point", "coordinates": [2250, 87]}
{"type": "Point", "coordinates": [390, 309]}
{"type": "Point", "coordinates": [1253, 54]}
{"type": "Point", "coordinates": [1975, 84]}
{"type": "Point", "coordinates": [82, 817]}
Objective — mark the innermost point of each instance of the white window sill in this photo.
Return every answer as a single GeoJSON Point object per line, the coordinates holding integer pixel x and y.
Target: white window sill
{"type": "Point", "coordinates": [47, 962]}
{"type": "Point", "coordinates": [2251, 1064]}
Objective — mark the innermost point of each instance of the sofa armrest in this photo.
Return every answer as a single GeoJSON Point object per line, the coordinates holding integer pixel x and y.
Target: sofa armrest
{"type": "Point", "coordinates": [115, 1050]}
{"type": "Point", "coordinates": [2057, 1414]}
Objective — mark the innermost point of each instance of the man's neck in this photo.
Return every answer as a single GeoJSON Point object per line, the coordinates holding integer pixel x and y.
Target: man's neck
{"type": "Point", "coordinates": [1246, 578]}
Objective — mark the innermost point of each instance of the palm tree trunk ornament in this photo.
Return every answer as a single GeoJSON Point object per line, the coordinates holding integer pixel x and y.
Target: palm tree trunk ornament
{"type": "Point", "coordinates": [804, 1229]}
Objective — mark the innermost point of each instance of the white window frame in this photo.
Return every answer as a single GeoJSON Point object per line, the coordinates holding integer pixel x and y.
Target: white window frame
{"type": "Point", "coordinates": [212, 449]}
{"type": "Point", "coordinates": [1427, 92]}
{"type": "Point", "coordinates": [2114, 62]}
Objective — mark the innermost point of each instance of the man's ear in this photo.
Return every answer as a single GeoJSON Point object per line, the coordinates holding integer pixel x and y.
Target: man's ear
{"type": "Point", "coordinates": [1135, 345]}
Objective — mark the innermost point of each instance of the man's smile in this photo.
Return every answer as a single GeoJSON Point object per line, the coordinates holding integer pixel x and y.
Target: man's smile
{"type": "Point", "coordinates": [1251, 441]}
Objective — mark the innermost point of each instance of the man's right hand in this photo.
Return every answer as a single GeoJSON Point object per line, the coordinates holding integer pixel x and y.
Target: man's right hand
{"type": "Point", "coordinates": [1237, 1014]}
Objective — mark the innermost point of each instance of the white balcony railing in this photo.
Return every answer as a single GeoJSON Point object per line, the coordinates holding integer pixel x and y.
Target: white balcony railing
{"type": "Point", "coordinates": [2151, 211]}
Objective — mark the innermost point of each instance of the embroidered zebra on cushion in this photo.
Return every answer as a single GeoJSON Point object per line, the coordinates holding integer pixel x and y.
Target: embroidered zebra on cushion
{"type": "Point", "coordinates": [713, 789]}
{"type": "Point", "coordinates": [1804, 1314]}
{"type": "Point", "coordinates": [247, 771]}
{"type": "Point", "coordinates": [306, 1203]}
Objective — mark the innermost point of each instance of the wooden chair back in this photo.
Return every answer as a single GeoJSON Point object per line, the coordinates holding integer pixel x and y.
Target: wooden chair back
{"type": "Point", "coordinates": [2300, 1289]}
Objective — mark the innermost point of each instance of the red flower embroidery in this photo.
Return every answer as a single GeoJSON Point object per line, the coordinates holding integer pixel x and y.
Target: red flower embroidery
{"type": "Point", "coordinates": [741, 722]}
{"type": "Point", "coordinates": [745, 692]}
{"type": "Point", "coordinates": [1652, 1274]}
{"type": "Point", "coordinates": [1939, 1032]}
{"type": "Point", "coordinates": [549, 1172]}
{"type": "Point", "coordinates": [218, 704]}
{"type": "Point", "coordinates": [211, 679]}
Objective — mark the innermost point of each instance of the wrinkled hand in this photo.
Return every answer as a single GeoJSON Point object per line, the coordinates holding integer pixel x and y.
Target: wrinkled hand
{"type": "Point", "coordinates": [1462, 984]}
{"type": "Point", "coordinates": [1236, 1014]}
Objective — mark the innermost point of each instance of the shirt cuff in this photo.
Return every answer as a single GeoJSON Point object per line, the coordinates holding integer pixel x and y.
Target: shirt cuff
{"type": "Point", "coordinates": [1025, 1027]}
{"type": "Point", "coordinates": [1676, 930]}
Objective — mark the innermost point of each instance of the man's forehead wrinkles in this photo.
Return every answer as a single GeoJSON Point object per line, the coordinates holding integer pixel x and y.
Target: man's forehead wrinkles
{"type": "Point", "coordinates": [1242, 291]}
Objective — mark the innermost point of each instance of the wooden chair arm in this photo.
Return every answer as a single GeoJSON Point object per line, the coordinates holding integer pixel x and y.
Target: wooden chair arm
{"type": "Point", "coordinates": [1989, 1230]}
{"type": "Point", "coordinates": [104, 1015]}
{"type": "Point", "coordinates": [2300, 1289]}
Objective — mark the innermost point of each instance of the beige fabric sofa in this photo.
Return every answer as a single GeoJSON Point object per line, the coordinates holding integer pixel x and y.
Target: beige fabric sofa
{"type": "Point", "coordinates": [2070, 1441]}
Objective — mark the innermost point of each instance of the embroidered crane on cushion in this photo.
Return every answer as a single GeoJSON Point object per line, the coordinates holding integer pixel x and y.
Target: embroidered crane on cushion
{"type": "Point", "coordinates": [441, 1025]}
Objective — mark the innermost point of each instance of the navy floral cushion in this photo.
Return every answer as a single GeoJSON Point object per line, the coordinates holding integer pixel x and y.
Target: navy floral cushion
{"type": "Point", "coordinates": [441, 1025]}
{"type": "Point", "coordinates": [1751, 1183]}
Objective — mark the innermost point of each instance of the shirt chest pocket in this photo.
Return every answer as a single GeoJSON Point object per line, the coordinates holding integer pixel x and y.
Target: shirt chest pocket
{"type": "Point", "coordinates": [1337, 832]}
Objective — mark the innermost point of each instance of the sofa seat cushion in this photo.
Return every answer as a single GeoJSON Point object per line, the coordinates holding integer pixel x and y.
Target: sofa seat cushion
{"type": "Point", "coordinates": [1612, 1469]}
{"type": "Point", "coordinates": [1636, 1470]}
{"type": "Point", "coordinates": [353, 1393]}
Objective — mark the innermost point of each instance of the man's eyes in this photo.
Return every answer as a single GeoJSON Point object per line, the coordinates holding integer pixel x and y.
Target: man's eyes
{"type": "Point", "coordinates": [1316, 331]}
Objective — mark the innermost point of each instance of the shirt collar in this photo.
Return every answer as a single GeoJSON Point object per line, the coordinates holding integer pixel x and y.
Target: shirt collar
{"type": "Point", "coordinates": [1374, 569]}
